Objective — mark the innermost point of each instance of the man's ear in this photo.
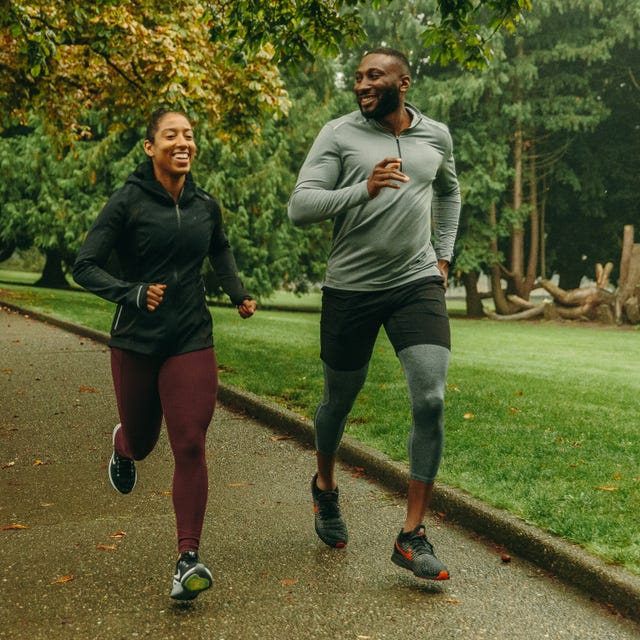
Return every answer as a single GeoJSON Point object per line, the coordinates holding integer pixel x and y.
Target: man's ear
{"type": "Point", "coordinates": [405, 83]}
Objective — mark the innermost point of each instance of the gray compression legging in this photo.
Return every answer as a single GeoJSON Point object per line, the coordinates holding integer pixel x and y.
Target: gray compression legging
{"type": "Point", "coordinates": [425, 368]}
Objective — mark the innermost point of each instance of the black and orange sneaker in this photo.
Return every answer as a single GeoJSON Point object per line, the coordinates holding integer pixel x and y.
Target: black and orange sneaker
{"type": "Point", "coordinates": [191, 577]}
{"type": "Point", "coordinates": [330, 526]}
{"type": "Point", "coordinates": [413, 551]}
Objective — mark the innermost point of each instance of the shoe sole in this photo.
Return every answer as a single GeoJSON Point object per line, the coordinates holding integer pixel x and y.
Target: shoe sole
{"type": "Point", "coordinates": [401, 561]}
{"type": "Point", "coordinates": [191, 587]}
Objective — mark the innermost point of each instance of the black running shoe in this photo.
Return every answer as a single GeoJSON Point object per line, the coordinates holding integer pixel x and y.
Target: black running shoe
{"type": "Point", "coordinates": [191, 577]}
{"type": "Point", "coordinates": [330, 526]}
{"type": "Point", "coordinates": [122, 471]}
{"type": "Point", "coordinates": [414, 552]}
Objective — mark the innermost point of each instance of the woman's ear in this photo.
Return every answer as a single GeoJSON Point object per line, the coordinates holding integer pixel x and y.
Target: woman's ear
{"type": "Point", "coordinates": [148, 148]}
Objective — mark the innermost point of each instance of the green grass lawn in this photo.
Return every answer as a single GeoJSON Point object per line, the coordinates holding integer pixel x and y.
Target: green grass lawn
{"type": "Point", "coordinates": [542, 418]}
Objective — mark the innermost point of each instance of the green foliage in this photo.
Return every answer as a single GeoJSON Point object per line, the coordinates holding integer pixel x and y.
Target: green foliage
{"type": "Point", "coordinates": [48, 196]}
{"type": "Point", "coordinates": [253, 182]}
{"type": "Point", "coordinates": [463, 37]}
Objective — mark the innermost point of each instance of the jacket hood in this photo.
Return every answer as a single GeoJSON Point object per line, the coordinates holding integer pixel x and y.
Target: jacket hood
{"type": "Point", "coordinates": [144, 178]}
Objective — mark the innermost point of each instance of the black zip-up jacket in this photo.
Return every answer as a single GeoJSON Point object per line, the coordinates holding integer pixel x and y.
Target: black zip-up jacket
{"type": "Point", "coordinates": [158, 241]}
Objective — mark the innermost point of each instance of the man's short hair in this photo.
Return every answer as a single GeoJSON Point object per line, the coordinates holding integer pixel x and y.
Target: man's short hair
{"type": "Point", "coordinates": [394, 53]}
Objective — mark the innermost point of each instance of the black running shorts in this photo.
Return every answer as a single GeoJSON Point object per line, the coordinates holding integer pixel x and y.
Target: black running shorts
{"type": "Point", "coordinates": [411, 314]}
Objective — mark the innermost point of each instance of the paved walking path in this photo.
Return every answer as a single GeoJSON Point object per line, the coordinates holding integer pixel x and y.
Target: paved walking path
{"type": "Point", "coordinates": [93, 564]}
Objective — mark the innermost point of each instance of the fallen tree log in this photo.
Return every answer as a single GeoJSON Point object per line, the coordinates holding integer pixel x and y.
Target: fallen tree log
{"type": "Point", "coordinates": [527, 314]}
{"type": "Point", "coordinates": [585, 295]}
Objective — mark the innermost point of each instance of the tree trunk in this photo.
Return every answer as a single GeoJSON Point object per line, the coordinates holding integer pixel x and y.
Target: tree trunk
{"type": "Point", "coordinates": [534, 220]}
{"type": "Point", "coordinates": [500, 301]}
{"type": "Point", "coordinates": [629, 280]}
{"type": "Point", "coordinates": [516, 264]}
{"type": "Point", "coordinates": [543, 237]}
{"type": "Point", "coordinates": [53, 275]}
{"type": "Point", "coordinates": [473, 297]}
{"type": "Point", "coordinates": [6, 251]}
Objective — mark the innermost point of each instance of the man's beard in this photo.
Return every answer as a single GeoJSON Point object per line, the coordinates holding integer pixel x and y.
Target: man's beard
{"type": "Point", "coordinates": [388, 102]}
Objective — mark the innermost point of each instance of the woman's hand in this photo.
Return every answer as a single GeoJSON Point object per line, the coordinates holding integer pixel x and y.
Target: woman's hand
{"type": "Point", "coordinates": [155, 293]}
{"type": "Point", "coordinates": [247, 308]}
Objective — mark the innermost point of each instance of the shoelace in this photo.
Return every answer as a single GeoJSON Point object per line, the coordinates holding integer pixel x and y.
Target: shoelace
{"type": "Point", "coordinates": [124, 466]}
{"type": "Point", "coordinates": [329, 507]}
{"type": "Point", "coordinates": [420, 544]}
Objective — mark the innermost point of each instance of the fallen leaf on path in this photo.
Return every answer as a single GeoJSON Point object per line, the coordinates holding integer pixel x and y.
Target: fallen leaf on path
{"type": "Point", "coordinates": [278, 438]}
{"type": "Point", "coordinates": [15, 525]}
{"type": "Point", "coordinates": [607, 488]}
{"type": "Point", "coordinates": [62, 579]}
{"type": "Point", "coordinates": [84, 389]}
{"type": "Point", "coordinates": [468, 416]}
{"type": "Point", "coordinates": [514, 410]}
{"type": "Point", "coordinates": [452, 601]}
{"type": "Point", "coordinates": [118, 534]}
{"type": "Point", "coordinates": [240, 484]}
{"type": "Point", "coordinates": [107, 547]}
{"type": "Point", "coordinates": [37, 462]}
{"type": "Point", "coordinates": [6, 465]}
{"type": "Point", "coordinates": [287, 582]}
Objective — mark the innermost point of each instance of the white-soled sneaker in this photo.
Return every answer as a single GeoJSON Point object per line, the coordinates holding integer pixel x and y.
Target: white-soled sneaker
{"type": "Point", "coordinates": [122, 471]}
{"type": "Point", "coordinates": [191, 577]}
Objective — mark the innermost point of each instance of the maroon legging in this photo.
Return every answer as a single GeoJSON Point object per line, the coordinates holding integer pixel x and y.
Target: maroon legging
{"type": "Point", "coordinates": [183, 388]}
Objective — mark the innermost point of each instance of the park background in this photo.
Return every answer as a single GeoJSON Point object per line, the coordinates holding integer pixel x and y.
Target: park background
{"type": "Point", "coordinates": [541, 415]}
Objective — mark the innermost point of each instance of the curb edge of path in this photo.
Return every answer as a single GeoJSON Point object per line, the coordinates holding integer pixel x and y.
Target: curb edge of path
{"type": "Point", "coordinates": [605, 583]}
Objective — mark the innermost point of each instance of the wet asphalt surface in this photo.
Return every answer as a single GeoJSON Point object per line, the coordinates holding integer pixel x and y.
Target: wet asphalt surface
{"type": "Point", "coordinates": [79, 560]}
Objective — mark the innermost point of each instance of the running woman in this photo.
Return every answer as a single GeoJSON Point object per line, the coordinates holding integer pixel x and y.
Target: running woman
{"type": "Point", "coordinates": [162, 227]}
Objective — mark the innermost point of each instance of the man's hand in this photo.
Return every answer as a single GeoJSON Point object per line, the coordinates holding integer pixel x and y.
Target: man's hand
{"type": "Point", "coordinates": [443, 267]}
{"type": "Point", "coordinates": [247, 308]}
{"type": "Point", "coordinates": [385, 174]}
{"type": "Point", "coordinates": [155, 293]}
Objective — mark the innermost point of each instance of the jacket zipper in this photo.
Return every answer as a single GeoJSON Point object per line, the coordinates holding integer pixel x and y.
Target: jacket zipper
{"type": "Point", "coordinates": [179, 220]}
{"type": "Point", "coordinates": [117, 320]}
{"type": "Point", "coordinates": [399, 152]}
